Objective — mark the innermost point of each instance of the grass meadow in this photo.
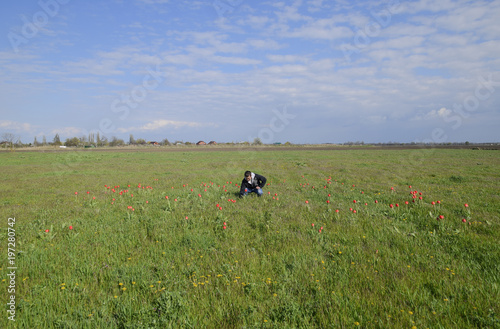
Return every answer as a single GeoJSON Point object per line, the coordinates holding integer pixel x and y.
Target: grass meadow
{"type": "Point", "coordinates": [362, 238]}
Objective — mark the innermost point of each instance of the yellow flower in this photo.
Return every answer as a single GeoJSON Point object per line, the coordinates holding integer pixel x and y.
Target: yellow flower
{"type": "Point", "coordinates": [120, 284]}
{"type": "Point", "coordinates": [116, 296]}
{"type": "Point", "coordinates": [124, 288]}
{"type": "Point", "coordinates": [356, 323]}
{"type": "Point", "coordinates": [133, 282]}
{"type": "Point", "coordinates": [62, 288]}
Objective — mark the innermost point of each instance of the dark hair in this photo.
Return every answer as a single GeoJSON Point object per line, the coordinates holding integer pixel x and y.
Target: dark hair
{"type": "Point", "coordinates": [248, 173]}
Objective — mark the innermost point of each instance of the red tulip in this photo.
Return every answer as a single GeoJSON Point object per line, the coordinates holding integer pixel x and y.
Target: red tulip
{"type": "Point", "coordinates": [466, 205]}
{"type": "Point", "coordinates": [391, 205]}
{"type": "Point", "coordinates": [70, 227]}
{"type": "Point", "coordinates": [307, 201]}
{"type": "Point", "coordinates": [353, 201]}
{"type": "Point", "coordinates": [312, 224]}
{"type": "Point", "coordinates": [464, 220]}
{"type": "Point", "coordinates": [433, 203]}
{"type": "Point", "coordinates": [337, 211]}
{"type": "Point", "coordinates": [46, 231]}
{"type": "Point", "coordinates": [327, 201]}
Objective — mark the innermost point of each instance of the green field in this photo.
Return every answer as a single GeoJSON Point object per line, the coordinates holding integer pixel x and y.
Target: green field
{"type": "Point", "coordinates": [137, 259]}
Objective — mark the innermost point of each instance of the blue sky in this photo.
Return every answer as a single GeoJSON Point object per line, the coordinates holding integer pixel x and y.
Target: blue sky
{"type": "Point", "coordinates": [310, 71]}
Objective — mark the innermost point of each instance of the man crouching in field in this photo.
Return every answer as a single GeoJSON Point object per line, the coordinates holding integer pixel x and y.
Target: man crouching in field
{"type": "Point", "coordinates": [252, 183]}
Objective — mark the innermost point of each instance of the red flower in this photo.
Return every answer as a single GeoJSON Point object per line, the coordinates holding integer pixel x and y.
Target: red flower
{"type": "Point", "coordinates": [466, 205]}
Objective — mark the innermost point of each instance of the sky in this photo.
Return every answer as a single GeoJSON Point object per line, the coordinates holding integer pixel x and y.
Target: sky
{"type": "Point", "coordinates": [299, 71]}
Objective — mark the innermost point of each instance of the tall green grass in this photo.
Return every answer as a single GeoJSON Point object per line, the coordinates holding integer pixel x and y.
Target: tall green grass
{"type": "Point", "coordinates": [140, 260]}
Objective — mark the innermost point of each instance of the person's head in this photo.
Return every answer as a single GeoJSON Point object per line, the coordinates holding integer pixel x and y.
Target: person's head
{"type": "Point", "coordinates": [248, 175]}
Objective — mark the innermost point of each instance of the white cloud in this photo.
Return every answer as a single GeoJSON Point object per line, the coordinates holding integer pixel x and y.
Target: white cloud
{"type": "Point", "coordinates": [16, 126]}
{"type": "Point", "coordinates": [161, 123]}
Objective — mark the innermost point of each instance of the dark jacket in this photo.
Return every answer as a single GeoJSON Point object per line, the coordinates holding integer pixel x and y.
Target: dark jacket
{"type": "Point", "coordinates": [258, 180]}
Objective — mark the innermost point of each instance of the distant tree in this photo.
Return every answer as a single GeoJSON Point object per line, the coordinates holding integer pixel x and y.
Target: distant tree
{"type": "Point", "coordinates": [131, 140]}
{"type": "Point", "coordinates": [102, 141]}
{"type": "Point", "coordinates": [116, 142]}
{"type": "Point", "coordinates": [72, 141]}
{"type": "Point", "coordinates": [257, 141]}
{"type": "Point", "coordinates": [56, 141]}
{"type": "Point", "coordinates": [44, 141]}
{"type": "Point", "coordinates": [165, 142]}
{"type": "Point", "coordinates": [91, 139]}
{"type": "Point", "coordinates": [140, 141]}
{"type": "Point", "coordinates": [187, 143]}
{"type": "Point", "coordinates": [35, 142]}
{"type": "Point", "coordinates": [10, 139]}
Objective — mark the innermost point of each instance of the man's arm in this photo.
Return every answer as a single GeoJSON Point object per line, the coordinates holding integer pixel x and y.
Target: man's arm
{"type": "Point", "coordinates": [261, 179]}
{"type": "Point", "coordinates": [243, 187]}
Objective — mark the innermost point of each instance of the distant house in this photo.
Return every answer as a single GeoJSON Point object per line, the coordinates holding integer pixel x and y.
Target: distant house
{"type": "Point", "coordinates": [201, 143]}
{"type": "Point", "coordinates": [212, 143]}
{"type": "Point", "coordinates": [153, 143]}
